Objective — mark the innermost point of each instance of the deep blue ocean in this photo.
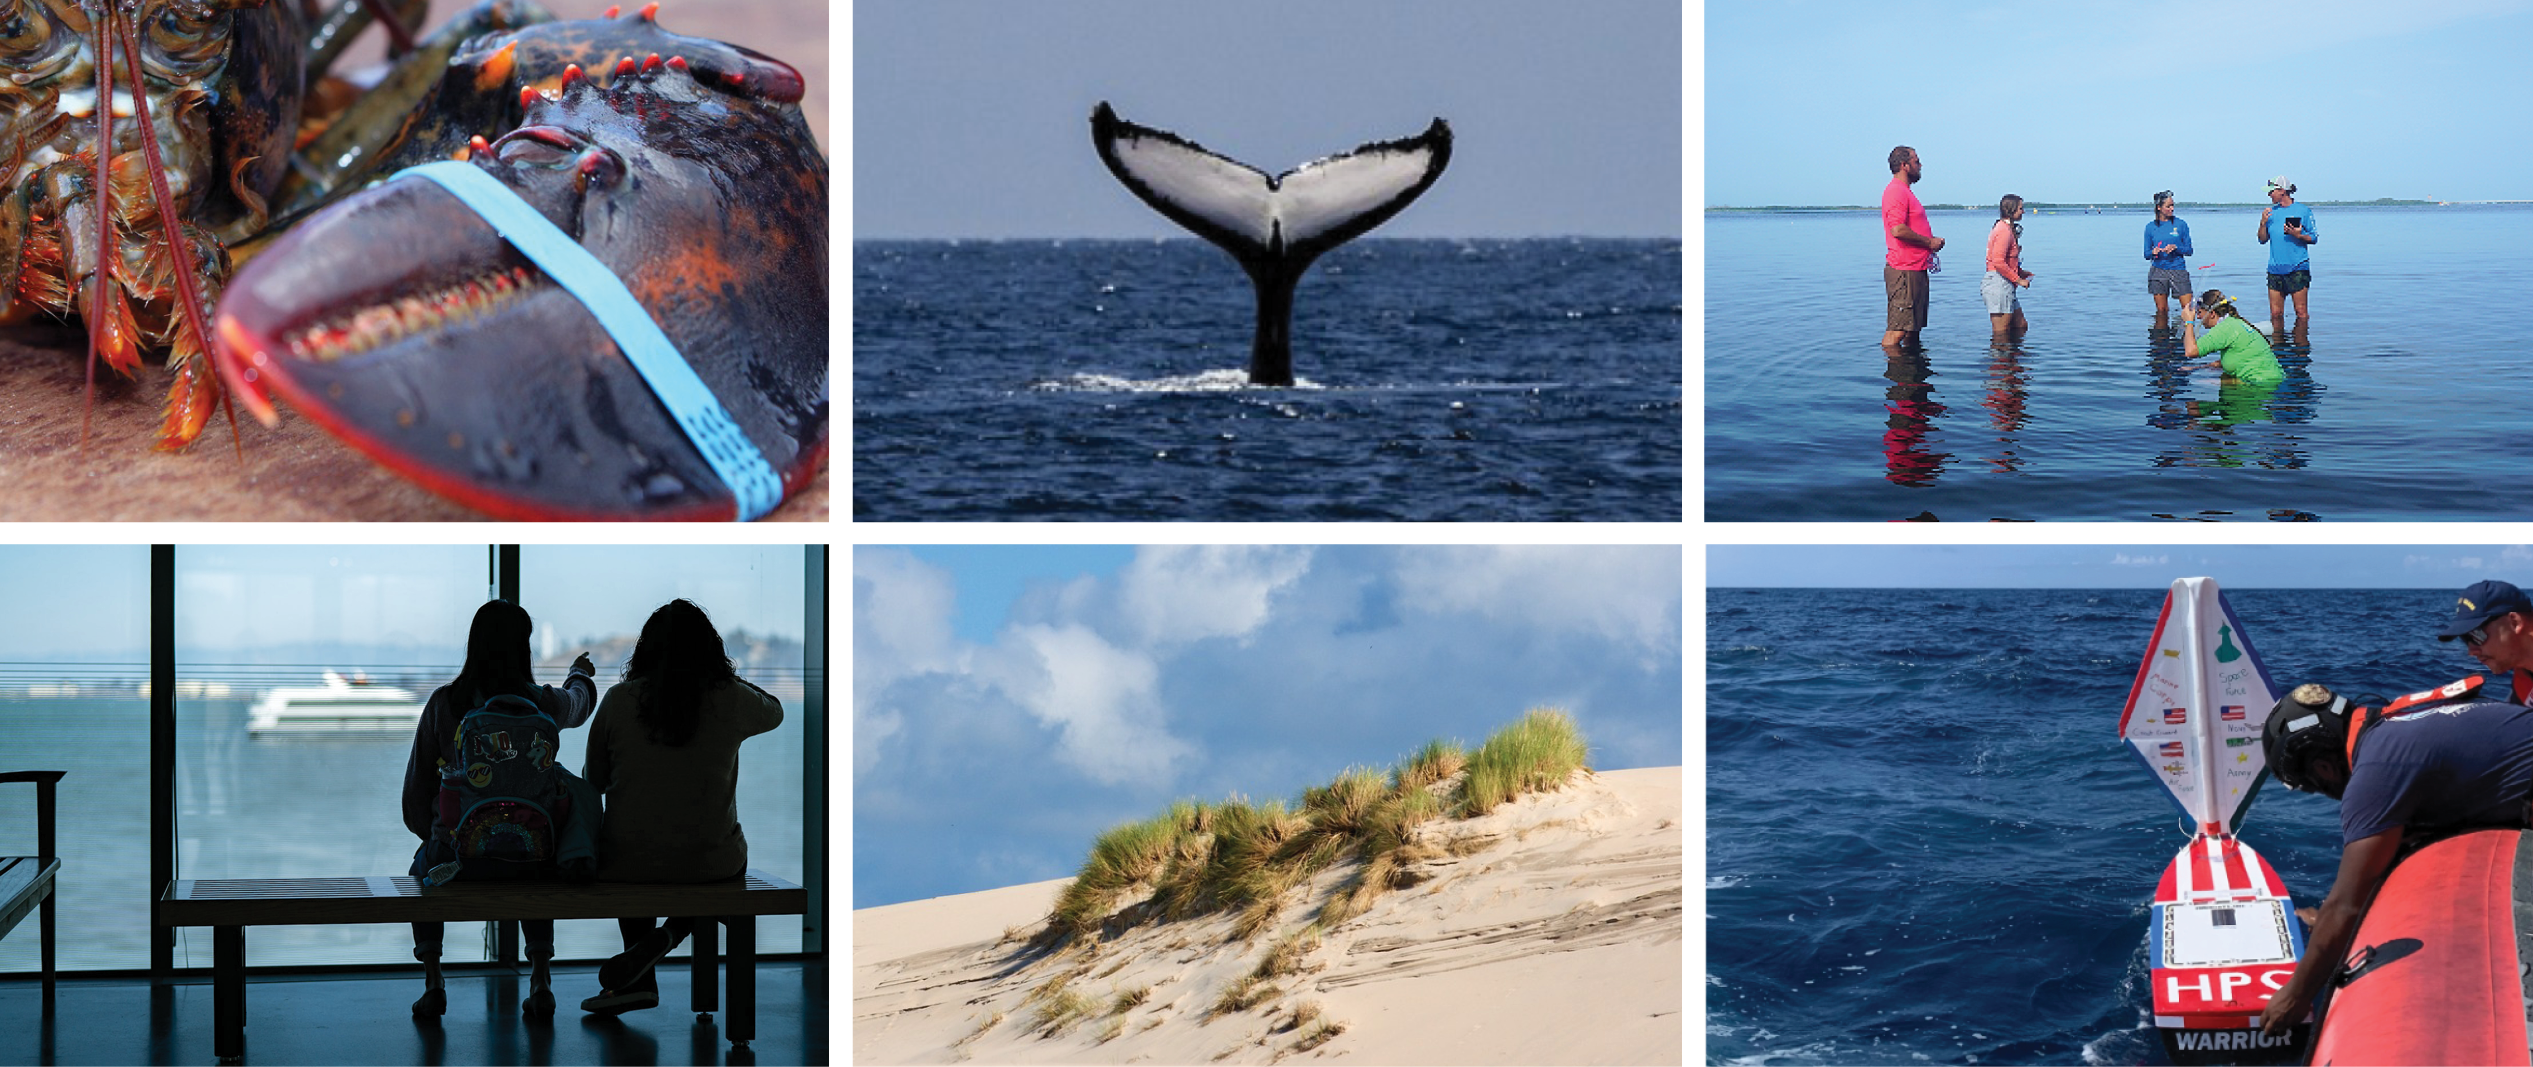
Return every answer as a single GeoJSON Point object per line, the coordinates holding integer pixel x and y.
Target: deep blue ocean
{"type": "Point", "coordinates": [2090, 416]}
{"type": "Point", "coordinates": [1925, 843]}
{"type": "Point", "coordinates": [1513, 380]}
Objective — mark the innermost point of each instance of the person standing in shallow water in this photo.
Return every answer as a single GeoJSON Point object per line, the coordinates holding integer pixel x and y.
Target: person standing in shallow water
{"type": "Point", "coordinates": [2005, 270]}
{"type": "Point", "coordinates": [1908, 251]}
{"type": "Point", "coordinates": [2287, 228]}
{"type": "Point", "coordinates": [2167, 257]}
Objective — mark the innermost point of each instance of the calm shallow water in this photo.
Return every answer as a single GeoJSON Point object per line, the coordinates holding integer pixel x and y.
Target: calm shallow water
{"type": "Point", "coordinates": [1925, 842]}
{"type": "Point", "coordinates": [1440, 380]}
{"type": "Point", "coordinates": [2417, 311]}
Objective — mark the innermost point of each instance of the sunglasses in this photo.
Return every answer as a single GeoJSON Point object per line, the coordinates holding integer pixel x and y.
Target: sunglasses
{"type": "Point", "coordinates": [2477, 635]}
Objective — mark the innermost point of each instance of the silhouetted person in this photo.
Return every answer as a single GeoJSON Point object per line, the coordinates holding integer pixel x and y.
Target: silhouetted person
{"type": "Point", "coordinates": [496, 666]}
{"type": "Point", "coordinates": [665, 751]}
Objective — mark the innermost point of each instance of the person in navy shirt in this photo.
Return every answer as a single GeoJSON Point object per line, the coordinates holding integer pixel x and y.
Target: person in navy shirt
{"type": "Point", "coordinates": [2167, 256]}
{"type": "Point", "coordinates": [2287, 228]}
{"type": "Point", "coordinates": [2461, 763]}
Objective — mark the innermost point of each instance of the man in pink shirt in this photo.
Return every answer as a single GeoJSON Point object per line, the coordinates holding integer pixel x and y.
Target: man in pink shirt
{"type": "Point", "coordinates": [1908, 250]}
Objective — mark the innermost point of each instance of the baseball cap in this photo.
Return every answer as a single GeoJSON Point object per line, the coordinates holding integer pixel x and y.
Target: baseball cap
{"type": "Point", "coordinates": [2281, 182]}
{"type": "Point", "coordinates": [2480, 603]}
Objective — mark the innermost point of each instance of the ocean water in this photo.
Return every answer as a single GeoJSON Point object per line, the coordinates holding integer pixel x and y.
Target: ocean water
{"type": "Point", "coordinates": [2416, 311]}
{"type": "Point", "coordinates": [1521, 380]}
{"type": "Point", "coordinates": [1925, 843]}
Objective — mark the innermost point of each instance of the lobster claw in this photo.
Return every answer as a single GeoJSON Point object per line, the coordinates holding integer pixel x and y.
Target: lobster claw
{"type": "Point", "coordinates": [459, 364]}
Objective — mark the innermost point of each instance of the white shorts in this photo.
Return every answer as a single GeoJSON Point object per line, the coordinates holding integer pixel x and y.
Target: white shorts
{"type": "Point", "coordinates": [1999, 294]}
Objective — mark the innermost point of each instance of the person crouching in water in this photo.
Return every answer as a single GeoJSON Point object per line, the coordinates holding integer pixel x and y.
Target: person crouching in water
{"type": "Point", "coordinates": [665, 751]}
{"type": "Point", "coordinates": [497, 665]}
{"type": "Point", "coordinates": [2005, 269]}
{"type": "Point", "coordinates": [2241, 352]}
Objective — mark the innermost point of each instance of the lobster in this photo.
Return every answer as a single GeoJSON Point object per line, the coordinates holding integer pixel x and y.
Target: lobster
{"type": "Point", "coordinates": [215, 138]}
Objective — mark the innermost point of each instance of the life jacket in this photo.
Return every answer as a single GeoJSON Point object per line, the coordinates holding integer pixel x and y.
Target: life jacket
{"type": "Point", "coordinates": [2451, 693]}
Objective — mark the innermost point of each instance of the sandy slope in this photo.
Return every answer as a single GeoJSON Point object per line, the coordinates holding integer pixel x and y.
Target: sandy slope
{"type": "Point", "coordinates": [1553, 938]}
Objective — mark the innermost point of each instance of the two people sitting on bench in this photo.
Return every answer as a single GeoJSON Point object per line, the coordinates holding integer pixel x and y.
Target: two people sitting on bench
{"type": "Point", "coordinates": [483, 722]}
{"type": "Point", "coordinates": [486, 793]}
{"type": "Point", "coordinates": [664, 749]}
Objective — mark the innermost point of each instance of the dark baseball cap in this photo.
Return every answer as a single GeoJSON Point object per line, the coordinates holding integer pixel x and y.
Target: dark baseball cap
{"type": "Point", "coordinates": [2480, 603]}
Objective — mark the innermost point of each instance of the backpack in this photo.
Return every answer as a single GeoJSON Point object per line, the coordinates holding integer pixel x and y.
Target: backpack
{"type": "Point", "coordinates": [502, 800]}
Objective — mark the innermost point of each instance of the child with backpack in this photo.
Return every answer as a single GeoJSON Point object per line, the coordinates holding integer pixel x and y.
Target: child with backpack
{"type": "Point", "coordinates": [483, 788]}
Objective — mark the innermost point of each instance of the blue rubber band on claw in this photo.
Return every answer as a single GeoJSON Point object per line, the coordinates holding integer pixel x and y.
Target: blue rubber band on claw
{"type": "Point", "coordinates": [742, 467]}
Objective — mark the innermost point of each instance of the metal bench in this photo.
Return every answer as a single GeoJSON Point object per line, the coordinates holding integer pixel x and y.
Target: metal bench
{"type": "Point", "coordinates": [26, 882]}
{"type": "Point", "coordinates": [230, 905]}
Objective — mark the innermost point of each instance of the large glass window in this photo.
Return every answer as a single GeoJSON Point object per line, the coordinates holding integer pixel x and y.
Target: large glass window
{"type": "Point", "coordinates": [595, 598]}
{"type": "Point", "coordinates": [300, 673]}
{"type": "Point", "coordinates": [74, 696]}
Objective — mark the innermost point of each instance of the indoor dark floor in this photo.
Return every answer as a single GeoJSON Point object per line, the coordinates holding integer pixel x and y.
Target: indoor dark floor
{"type": "Point", "coordinates": [366, 1018]}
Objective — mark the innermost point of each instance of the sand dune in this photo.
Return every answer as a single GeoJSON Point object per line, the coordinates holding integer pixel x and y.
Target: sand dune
{"type": "Point", "coordinates": [1548, 931]}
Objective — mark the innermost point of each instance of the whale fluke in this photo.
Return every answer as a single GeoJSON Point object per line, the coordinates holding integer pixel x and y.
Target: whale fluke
{"type": "Point", "coordinates": [1274, 226]}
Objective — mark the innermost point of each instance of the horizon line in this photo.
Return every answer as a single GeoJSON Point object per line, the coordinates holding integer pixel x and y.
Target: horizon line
{"type": "Point", "coordinates": [859, 238]}
{"type": "Point", "coordinates": [2140, 205]}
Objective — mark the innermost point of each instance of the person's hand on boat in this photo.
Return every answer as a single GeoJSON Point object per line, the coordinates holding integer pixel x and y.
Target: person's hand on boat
{"type": "Point", "coordinates": [2309, 916]}
{"type": "Point", "coordinates": [2285, 1009]}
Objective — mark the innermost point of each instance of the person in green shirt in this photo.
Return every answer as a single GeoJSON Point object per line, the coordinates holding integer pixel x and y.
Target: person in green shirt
{"type": "Point", "coordinates": [2242, 353]}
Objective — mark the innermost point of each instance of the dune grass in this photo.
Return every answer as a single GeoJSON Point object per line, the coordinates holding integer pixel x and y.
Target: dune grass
{"type": "Point", "coordinates": [1531, 756]}
{"type": "Point", "coordinates": [1246, 857]}
{"type": "Point", "coordinates": [1064, 1010]}
{"type": "Point", "coordinates": [1321, 1035]}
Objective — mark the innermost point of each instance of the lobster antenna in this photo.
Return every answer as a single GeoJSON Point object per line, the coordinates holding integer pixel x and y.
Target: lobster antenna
{"type": "Point", "coordinates": [98, 316]}
{"type": "Point", "coordinates": [399, 36]}
{"type": "Point", "coordinates": [188, 298]}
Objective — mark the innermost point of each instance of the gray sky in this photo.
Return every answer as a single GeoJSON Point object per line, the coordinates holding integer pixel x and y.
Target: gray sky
{"type": "Point", "coordinates": [972, 119]}
{"type": "Point", "coordinates": [2097, 101]}
{"type": "Point", "coordinates": [2123, 566]}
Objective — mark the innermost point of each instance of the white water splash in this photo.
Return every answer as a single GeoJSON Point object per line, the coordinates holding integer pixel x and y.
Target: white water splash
{"type": "Point", "coordinates": [1212, 381]}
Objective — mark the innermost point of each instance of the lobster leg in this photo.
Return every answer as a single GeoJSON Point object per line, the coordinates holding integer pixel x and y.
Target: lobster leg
{"type": "Point", "coordinates": [106, 309]}
{"type": "Point", "coordinates": [188, 402]}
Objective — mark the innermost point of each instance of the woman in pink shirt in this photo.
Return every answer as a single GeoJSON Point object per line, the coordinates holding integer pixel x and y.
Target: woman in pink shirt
{"type": "Point", "coordinates": [2005, 269]}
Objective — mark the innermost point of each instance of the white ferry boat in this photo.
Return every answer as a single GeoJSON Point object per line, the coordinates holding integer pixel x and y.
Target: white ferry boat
{"type": "Point", "coordinates": [340, 707]}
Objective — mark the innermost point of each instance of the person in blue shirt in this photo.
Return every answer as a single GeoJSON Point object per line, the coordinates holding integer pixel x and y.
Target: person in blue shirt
{"type": "Point", "coordinates": [2287, 228]}
{"type": "Point", "coordinates": [2167, 256]}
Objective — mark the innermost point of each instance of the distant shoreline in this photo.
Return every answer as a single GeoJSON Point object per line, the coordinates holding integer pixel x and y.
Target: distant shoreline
{"type": "Point", "coordinates": [2185, 205]}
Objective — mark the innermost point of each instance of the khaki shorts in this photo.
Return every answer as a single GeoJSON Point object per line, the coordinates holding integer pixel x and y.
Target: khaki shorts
{"type": "Point", "coordinates": [1907, 291]}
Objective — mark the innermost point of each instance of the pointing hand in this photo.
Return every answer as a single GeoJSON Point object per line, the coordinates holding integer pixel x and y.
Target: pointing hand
{"type": "Point", "coordinates": [582, 664]}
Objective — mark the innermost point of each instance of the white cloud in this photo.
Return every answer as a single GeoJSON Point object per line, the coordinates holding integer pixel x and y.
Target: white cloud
{"type": "Point", "coordinates": [901, 628]}
{"type": "Point", "coordinates": [1624, 593]}
{"type": "Point", "coordinates": [1175, 594]}
{"type": "Point", "coordinates": [1103, 700]}
{"type": "Point", "coordinates": [2123, 559]}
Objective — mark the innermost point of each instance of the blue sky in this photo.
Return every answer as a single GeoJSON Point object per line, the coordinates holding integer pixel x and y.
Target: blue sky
{"type": "Point", "coordinates": [972, 119]}
{"type": "Point", "coordinates": [2096, 101]}
{"type": "Point", "coordinates": [2114, 566]}
{"type": "Point", "coordinates": [995, 734]}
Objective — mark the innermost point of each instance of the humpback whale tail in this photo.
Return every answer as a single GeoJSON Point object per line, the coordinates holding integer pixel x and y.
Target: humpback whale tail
{"type": "Point", "coordinates": [1274, 226]}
